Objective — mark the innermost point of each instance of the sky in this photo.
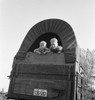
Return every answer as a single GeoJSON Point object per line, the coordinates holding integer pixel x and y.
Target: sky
{"type": "Point", "coordinates": [18, 16]}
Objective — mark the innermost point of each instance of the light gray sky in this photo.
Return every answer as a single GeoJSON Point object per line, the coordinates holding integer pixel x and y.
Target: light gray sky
{"type": "Point", "coordinates": [18, 16]}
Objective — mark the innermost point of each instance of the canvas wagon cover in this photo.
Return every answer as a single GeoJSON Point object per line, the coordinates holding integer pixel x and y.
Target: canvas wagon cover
{"type": "Point", "coordinates": [57, 26]}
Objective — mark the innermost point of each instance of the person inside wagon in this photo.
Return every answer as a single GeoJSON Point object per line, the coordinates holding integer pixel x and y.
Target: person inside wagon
{"type": "Point", "coordinates": [42, 48]}
{"type": "Point", "coordinates": [55, 48]}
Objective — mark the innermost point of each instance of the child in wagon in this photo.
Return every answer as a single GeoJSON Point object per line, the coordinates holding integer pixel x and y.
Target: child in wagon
{"type": "Point", "coordinates": [55, 48]}
{"type": "Point", "coordinates": [42, 48]}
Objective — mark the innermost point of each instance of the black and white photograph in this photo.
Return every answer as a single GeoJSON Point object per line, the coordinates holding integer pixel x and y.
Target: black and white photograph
{"type": "Point", "coordinates": [47, 49]}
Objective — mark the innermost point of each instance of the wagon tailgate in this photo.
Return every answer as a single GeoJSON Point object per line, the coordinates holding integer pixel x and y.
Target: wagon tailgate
{"type": "Point", "coordinates": [52, 78]}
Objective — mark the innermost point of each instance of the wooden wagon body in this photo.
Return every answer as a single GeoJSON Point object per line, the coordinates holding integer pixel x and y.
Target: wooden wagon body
{"type": "Point", "coordinates": [50, 76]}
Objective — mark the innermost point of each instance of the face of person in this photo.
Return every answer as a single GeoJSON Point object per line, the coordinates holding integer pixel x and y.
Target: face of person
{"type": "Point", "coordinates": [42, 45]}
{"type": "Point", "coordinates": [54, 44]}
